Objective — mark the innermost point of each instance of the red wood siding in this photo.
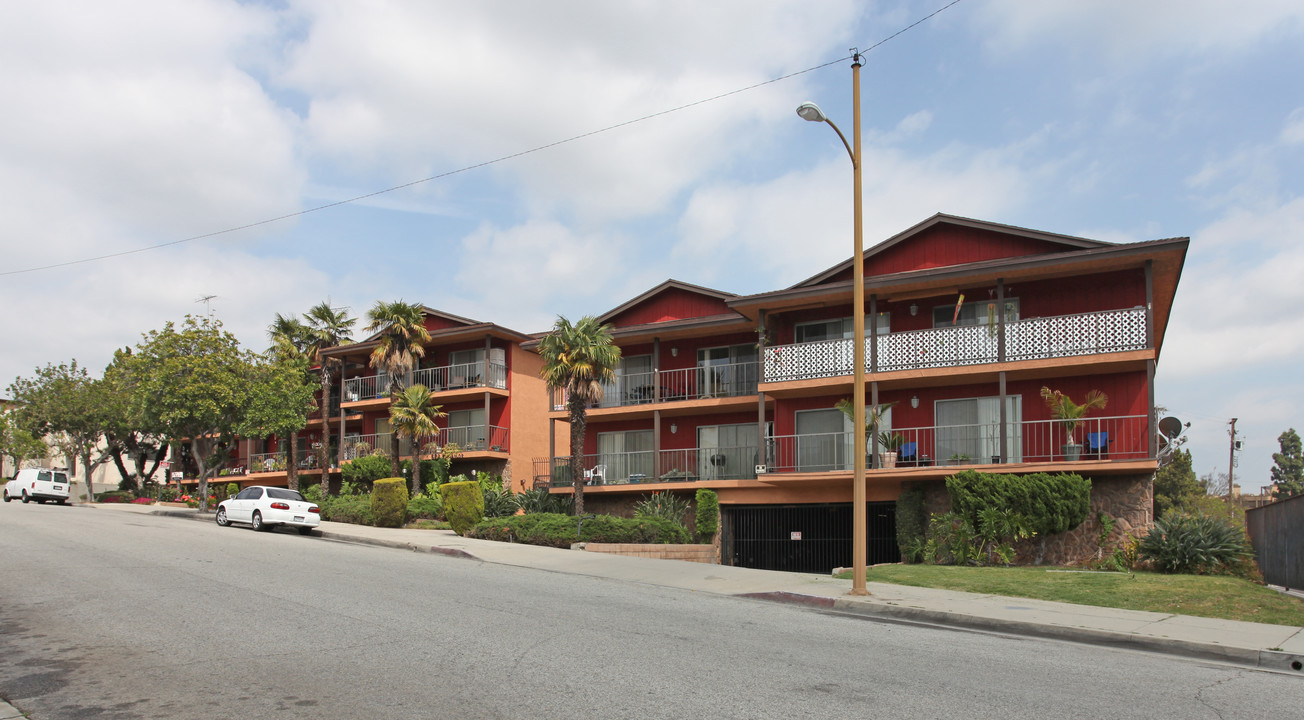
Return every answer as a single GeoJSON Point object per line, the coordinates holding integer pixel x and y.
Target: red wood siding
{"type": "Point", "coordinates": [671, 304]}
{"type": "Point", "coordinates": [948, 245]}
{"type": "Point", "coordinates": [434, 322]}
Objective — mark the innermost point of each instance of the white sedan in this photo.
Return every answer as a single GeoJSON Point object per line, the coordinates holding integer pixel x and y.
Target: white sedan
{"type": "Point", "coordinates": [265, 507]}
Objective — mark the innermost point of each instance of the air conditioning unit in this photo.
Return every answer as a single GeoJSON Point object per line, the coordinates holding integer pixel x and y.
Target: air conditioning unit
{"type": "Point", "coordinates": [761, 470]}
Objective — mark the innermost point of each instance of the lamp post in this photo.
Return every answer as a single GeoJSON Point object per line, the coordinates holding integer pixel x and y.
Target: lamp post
{"type": "Point", "coordinates": [812, 112]}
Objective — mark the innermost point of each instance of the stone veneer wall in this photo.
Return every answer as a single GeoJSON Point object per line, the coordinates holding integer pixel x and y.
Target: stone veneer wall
{"type": "Point", "coordinates": [709, 554]}
{"type": "Point", "coordinates": [1126, 498]}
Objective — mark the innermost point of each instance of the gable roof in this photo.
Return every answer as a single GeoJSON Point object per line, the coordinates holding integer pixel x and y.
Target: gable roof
{"type": "Point", "coordinates": [1068, 242]}
{"type": "Point", "coordinates": [671, 284]}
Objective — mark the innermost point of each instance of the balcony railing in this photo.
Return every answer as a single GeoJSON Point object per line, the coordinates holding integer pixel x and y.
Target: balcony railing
{"type": "Point", "coordinates": [467, 438]}
{"type": "Point", "coordinates": [1035, 441]}
{"type": "Point", "coordinates": [1032, 339]}
{"type": "Point", "coordinates": [447, 377]}
{"type": "Point", "coordinates": [277, 461]}
{"type": "Point", "coordinates": [695, 383]}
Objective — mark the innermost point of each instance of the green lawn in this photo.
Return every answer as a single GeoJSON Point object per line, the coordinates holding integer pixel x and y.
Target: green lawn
{"type": "Point", "coordinates": [1201, 595]}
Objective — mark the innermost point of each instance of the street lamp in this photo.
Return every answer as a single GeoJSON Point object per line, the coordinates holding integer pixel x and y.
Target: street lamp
{"type": "Point", "coordinates": [812, 112]}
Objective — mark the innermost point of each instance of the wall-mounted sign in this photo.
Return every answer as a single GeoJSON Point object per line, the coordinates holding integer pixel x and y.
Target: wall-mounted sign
{"type": "Point", "coordinates": [794, 535]}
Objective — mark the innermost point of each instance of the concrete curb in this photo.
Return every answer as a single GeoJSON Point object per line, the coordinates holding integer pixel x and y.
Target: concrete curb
{"type": "Point", "coordinates": [1241, 656]}
{"type": "Point", "coordinates": [9, 712]}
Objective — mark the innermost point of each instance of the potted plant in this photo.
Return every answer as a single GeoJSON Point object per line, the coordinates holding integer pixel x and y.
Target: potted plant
{"type": "Point", "coordinates": [890, 442]}
{"type": "Point", "coordinates": [874, 415]}
{"type": "Point", "coordinates": [1070, 415]}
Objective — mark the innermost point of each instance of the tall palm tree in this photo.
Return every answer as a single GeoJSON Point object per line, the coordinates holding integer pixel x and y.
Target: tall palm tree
{"type": "Point", "coordinates": [579, 358]}
{"type": "Point", "coordinates": [413, 416]}
{"type": "Point", "coordinates": [330, 327]}
{"type": "Point", "coordinates": [290, 340]}
{"type": "Point", "coordinates": [400, 345]}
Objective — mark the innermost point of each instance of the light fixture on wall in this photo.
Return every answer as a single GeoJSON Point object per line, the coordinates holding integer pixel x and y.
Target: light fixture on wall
{"type": "Point", "coordinates": [673, 428]}
{"type": "Point", "coordinates": [674, 352]}
{"type": "Point", "coordinates": [914, 401]}
{"type": "Point", "coordinates": [914, 309]}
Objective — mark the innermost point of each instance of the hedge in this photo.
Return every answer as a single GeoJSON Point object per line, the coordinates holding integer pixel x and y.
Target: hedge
{"type": "Point", "coordinates": [463, 505]}
{"type": "Point", "coordinates": [555, 530]}
{"type": "Point", "coordinates": [1050, 503]}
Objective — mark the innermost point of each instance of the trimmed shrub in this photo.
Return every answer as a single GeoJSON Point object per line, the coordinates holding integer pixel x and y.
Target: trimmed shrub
{"type": "Point", "coordinates": [911, 523]}
{"type": "Point", "coordinates": [1196, 544]}
{"type": "Point", "coordinates": [555, 530]}
{"type": "Point", "coordinates": [707, 519]}
{"type": "Point", "coordinates": [354, 509]}
{"type": "Point", "coordinates": [389, 499]}
{"type": "Point", "coordinates": [312, 493]}
{"type": "Point", "coordinates": [1048, 504]}
{"type": "Point", "coordinates": [463, 505]}
{"type": "Point", "coordinates": [115, 496]}
{"type": "Point", "coordinates": [366, 469]}
{"type": "Point", "coordinates": [425, 506]}
{"type": "Point", "coordinates": [232, 489]}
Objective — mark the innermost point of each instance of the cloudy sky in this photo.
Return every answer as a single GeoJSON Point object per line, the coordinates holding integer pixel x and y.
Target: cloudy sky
{"type": "Point", "coordinates": [552, 179]}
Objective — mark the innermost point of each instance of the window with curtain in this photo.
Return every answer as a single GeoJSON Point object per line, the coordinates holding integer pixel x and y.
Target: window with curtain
{"type": "Point", "coordinates": [969, 429]}
{"type": "Point", "coordinates": [823, 441]}
{"type": "Point", "coordinates": [838, 329]}
{"type": "Point", "coordinates": [466, 428]}
{"type": "Point", "coordinates": [625, 453]}
{"type": "Point", "coordinates": [727, 371]}
{"type": "Point", "coordinates": [633, 383]}
{"type": "Point", "coordinates": [974, 313]}
{"type": "Point", "coordinates": [728, 451]}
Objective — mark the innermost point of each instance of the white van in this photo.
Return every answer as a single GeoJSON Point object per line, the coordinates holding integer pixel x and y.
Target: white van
{"type": "Point", "coordinates": [39, 484]}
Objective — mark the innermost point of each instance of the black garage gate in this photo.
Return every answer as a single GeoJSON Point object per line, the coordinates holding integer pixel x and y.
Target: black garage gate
{"type": "Point", "coordinates": [804, 538]}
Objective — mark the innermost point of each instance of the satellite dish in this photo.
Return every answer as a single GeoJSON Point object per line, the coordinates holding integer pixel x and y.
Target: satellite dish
{"type": "Point", "coordinates": [1171, 427]}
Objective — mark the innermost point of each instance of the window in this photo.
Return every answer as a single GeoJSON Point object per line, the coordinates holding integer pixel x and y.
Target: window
{"type": "Point", "coordinates": [974, 313]}
{"type": "Point", "coordinates": [728, 451]}
{"type": "Point", "coordinates": [823, 441]}
{"type": "Point", "coordinates": [838, 329]}
{"type": "Point", "coordinates": [970, 429]}
{"type": "Point", "coordinates": [625, 453]}
{"type": "Point", "coordinates": [467, 428]}
{"type": "Point", "coordinates": [727, 371]}
{"type": "Point", "coordinates": [633, 383]}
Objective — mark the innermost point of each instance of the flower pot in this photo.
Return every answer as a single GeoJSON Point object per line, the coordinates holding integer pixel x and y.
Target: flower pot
{"type": "Point", "coordinates": [1071, 452]}
{"type": "Point", "coordinates": [889, 459]}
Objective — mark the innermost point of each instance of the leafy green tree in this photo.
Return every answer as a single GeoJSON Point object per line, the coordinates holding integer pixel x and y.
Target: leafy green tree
{"type": "Point", "coordinates": [579, 358]}
{"type": "Point", "coordinates": [65, 403]}
{"type": "Point", "coordinates": [1176, 484]}
{"type": "Point", "coordinates": [18, 443]}
{"type": "Point", "coordinates": [329, 327]}
{"type": "Point", "coordinates": [401, 344]}
{"type": "Point", "coordinates": [123, 432]}
{"type": "Point", "coordinates": [412, 415]}
{"type": "Point", "coordinates": [278, 406]}
{"type": "Point", "coordinates": [193, 386]}
{"type": "Point", "coordinates": [1288, 466]}
{"type": "Point", "coordinates": [280, 399]}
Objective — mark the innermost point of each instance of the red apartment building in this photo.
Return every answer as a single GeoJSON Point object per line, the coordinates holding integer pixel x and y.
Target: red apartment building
{"type": "Point", "coordinates": [966, 321]}
{"type": "Point", "coordinates": [487, 385]}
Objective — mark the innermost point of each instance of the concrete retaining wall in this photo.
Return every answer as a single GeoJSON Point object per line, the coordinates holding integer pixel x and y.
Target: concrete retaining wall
{"type": "Point", "coordinates": [708, 554]}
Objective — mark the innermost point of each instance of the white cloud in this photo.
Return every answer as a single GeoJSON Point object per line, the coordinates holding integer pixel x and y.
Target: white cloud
{"type": "Point", "coordinates": [1292, 133]}
{"type": "Point", "coordinates": [1128, 31]}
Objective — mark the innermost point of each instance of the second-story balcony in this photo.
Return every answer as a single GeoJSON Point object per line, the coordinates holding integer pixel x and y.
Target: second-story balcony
{"type": "Point", "coordinates": [1038, 442]}
{"type": "Point", "coordinates": [705, 382]}
{"type": "Point", "coordinates": [467, 438]}
{"type": "Point", "coordinates": [438, 379]}
{"type": "Point", "coordinates": [1041, 338]}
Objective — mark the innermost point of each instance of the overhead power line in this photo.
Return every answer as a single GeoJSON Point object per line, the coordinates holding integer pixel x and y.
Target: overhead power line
{"type": "Point", "coordinates": [476, 166]}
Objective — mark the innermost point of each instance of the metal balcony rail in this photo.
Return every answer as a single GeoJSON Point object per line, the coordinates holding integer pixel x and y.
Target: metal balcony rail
{"type": "Point", "coordinates": [369, 387]}
{"type": "Point", "coordinates": [1124, 437]}
{"type": "Point", "coordinates": [475, 437]}
{"type": "Point", "coordinates": [695, 383]}
{"type": "Point", "coordinates": [278, 461]}
{"type": "Point", "coordinates": [1031, 339]}
{"type": "Point", "coordinates": [462, 375]}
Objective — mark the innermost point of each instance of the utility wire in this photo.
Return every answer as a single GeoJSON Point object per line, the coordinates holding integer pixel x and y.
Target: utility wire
{"type": "Point", "coordinates": [486, 163]}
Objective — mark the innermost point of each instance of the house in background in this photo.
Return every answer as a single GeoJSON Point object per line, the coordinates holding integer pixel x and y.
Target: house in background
{"type": "Point", "coordinates": [966, 322]}
{"type": "Point", "coordinates": [488, 386]}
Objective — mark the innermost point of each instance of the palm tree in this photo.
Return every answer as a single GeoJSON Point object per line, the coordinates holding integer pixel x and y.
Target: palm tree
{"type": "Point", "coordinates": [330, 327]}
{"type": "Point", "coordinates": [413, 416]}
{"type": "Point", "coordinates": [401, 344]}
{"type": "Point", "coordinates": [579, 358]}
{"type": "Point", "coordinates": [1063, 408]}
{"type": "Point", "coordinates": [873, 418]}
{"type": "Point", "coordinates": [290, 340]}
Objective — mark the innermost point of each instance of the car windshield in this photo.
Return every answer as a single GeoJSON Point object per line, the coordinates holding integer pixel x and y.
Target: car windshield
{"type": "Point", "coordinates": [283, 494]}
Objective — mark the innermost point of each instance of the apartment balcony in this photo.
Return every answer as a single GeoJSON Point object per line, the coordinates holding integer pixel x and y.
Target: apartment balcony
{"type": "Point", "coordinates": [278, 462]}
{"type": "Point", "coordinates": [448, 381]}
{"type": "Point", "coordinates": [1045, 338]}
{"type": "Point", "coordinates": [933, 451]}
{"type": "Point", "coordinates": [474, 440]}
{"type": "Point", "coordinates": [713, 382]}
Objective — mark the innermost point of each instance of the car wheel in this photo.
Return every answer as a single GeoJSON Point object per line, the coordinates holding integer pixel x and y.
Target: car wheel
{"type": "Point", "coordinates": [305, 531]}
{"type": "Point", "coordinates": [7, 498]}
{"type": "Point", "coordinates": [258, 522]}
{"type": "Point", "coordinates": [221, 517]}
{"type": "Point", "coordinates": [25, 498]}
{"type": "Point", "coordinates": [62, 501]}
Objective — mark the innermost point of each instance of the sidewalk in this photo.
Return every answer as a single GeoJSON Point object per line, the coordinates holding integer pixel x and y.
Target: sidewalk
{"type": "Point", "coordinates": [1274, 647]}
